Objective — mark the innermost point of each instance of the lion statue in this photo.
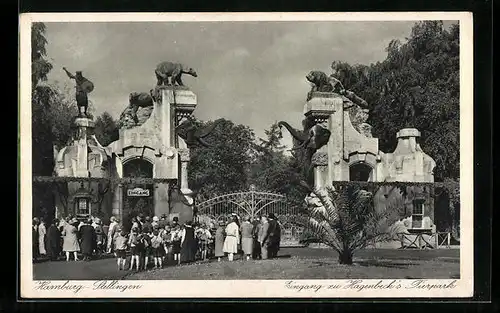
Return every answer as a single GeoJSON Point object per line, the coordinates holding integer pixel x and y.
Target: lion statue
{"type": "Point", "coordinates": [324, 83]}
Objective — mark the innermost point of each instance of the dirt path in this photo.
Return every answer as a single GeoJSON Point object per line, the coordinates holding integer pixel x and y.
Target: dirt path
{"type": "Point", "coordinates": [79, 270]}
{"type": "Point", "coordinates": [311, 258]}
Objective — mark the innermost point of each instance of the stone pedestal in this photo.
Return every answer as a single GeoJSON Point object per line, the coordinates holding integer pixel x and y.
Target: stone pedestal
{"type": "Point", "coordinates": [161, 199]}
{"type": "Point", "coordinates": [183, 175]}
{"type": "Point", "coordinates": [408, 163]}
{"type": "Point", "coordinates": [327, 109]}
{"type": "Point", "coordinates": [117, 202]}
{"type": "Point", "coordinates": [80, 163]}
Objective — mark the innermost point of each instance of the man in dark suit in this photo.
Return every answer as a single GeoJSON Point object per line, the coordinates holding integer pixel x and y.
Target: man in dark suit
{"type": "Point", "coordinates": [264, 237]}
{"type": "Point", "coordinates": [256, 245]}
{"type": "Point", "coordinates": [274, 236]}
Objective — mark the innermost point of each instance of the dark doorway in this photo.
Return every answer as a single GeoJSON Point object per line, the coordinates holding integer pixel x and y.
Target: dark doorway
{"type": "Point", "coordinates": [360, 172]}
{"type": "Point", "coordinates": [137, 197]}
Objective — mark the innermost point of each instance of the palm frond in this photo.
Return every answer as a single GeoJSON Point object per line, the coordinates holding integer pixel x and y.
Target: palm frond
{"type": "Point", "coordinates": [323, 231]}
{"type": "Point", "coordinates": [346, 218]}
{"type": "Point", "coordinates": [325, 197]}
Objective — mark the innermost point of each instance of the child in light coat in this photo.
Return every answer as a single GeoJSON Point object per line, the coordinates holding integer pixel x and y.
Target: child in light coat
{"type": "Point", "coordinates": [120, 249]}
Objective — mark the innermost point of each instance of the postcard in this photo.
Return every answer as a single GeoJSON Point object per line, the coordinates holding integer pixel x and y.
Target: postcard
{"type": "Point", "coordinates": [246, 155]}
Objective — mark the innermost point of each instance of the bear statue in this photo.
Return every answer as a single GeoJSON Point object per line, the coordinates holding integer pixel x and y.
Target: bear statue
{"type": "Point", "coordinates": [169, 73]}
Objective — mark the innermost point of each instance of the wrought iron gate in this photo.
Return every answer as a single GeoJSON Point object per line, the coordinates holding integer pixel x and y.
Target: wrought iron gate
{"type": "Point", "coordinates": [254, 203]}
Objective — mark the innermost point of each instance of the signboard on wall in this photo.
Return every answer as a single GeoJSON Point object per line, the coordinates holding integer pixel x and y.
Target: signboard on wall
{"type": "Point", "coordinates": [138, 192]}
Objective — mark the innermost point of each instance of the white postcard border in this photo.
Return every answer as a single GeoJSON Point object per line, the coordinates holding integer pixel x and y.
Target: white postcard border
{"type": "Point", "coordinates": [462, 287]}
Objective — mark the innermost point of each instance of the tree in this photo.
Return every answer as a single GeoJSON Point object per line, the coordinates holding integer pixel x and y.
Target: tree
{"type": "Point", "coordinates": [106, 129]}
{"type": "Point", "coordinates": [52, 116]}
{"type": "Point", "coordinates": [347, 220]}
{"type": "Point", "coordinates": [417, 85]}
{"type": "Point", "coordinates": [40, 67]}
{"type": "Point", "coordinates": [274, 171]}
{"type": "Point", "coordinates": [224, 166]}
{"type": "Point", "coordinates": [269, 163]}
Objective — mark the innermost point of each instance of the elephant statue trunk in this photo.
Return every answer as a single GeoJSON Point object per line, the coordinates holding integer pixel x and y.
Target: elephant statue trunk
{"type": "Point", "coordinates": [296, 134]}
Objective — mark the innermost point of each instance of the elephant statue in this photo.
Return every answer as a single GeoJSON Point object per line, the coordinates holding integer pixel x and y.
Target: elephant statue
{"type": "Point", "coordinates": [308, 142]}
{"type": "Point", "coordinates": [192, 135]}
{"type": "Point", "coordinates": [312, 138]}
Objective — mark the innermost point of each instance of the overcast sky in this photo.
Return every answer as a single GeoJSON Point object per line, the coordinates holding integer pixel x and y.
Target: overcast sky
{"type": "Point", "coordinates": [252, 73]}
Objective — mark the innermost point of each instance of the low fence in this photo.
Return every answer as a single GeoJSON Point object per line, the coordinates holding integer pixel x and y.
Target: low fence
{"type": "Point", "coordinates": [425, 241]}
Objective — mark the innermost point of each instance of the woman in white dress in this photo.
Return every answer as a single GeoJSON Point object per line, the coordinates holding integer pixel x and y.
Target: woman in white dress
{"type": "Point", "coordinates": [42, 231]}
{"type": "Point", "coordinates": [232, 239]}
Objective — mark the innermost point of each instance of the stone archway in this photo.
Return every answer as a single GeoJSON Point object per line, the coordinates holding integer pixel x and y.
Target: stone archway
{"type": "Point", "coordinates": [360, 171]}
{"type": "Point", "coordinates": [137, 198]}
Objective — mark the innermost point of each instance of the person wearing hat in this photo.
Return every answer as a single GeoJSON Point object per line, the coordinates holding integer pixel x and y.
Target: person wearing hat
{"type": "Point", "coordinates": [70, 239]}
{"type": "Point", "coordinates": [219, 240]}
{"type": "Point", "coordinates": [53, 240]}
{"type": "Point", "coordinates": [140, 220]}
{"type": "Point", "coordinates": [189, 245]}
{"type": "Point", "coordinates": [35, 240]}
{"type": "Point", "coordinates": [113, 227]}
{"type": "Point", "coordinates": [263, 237]}
{"type": "Point", "coordinates": [236, 219]}
{"type": "Point", "coordinates": [163, 221]}
{"type": "Point", "coordinates": [88, 239]}
{"type": "Point", "coordinates": [42, 237]}
{"type": "Point", "coordinates": [274, 236]}
{"type": "Point", "coordinates": [147, 227]}
{"type": "Point", "coordinates": [175, 239]}
{"type": "Point", "coordinates": [256, 253]}
{"type": "Point", "coordinates": [120, 248]}
{"type": "Point", "coordinates": [247, 237]}
{"type": "Point", "coordinates": [156, 222]}
{"type": "Point", "coordinates": [100, 236]}
{"type": "Point", "coordinates": [232, 238]}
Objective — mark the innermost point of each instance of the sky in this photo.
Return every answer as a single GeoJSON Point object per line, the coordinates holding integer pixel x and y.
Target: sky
{"type": "Point", "coordinates": [252, 73]}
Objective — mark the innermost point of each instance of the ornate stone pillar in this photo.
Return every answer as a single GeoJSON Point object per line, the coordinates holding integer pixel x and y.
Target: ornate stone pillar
{"type": "Point", "coordinates": [166, 125]}
{"type": "Point", "coordinates": [321, 108]}
{"type": "Point", "coordinates": [184, 156]}
{"type": "Point", "coordinates": [161, 199]}
{"type": "Point", "coordinates": [117, 204]}
{"type": "Point", "coordinates": [320, 163]}
{"type": "Point", "coordinates": [80, 165]}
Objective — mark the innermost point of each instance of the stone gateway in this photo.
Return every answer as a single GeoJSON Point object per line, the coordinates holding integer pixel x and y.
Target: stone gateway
{"type": "Point", "coordinates": [149, 150]}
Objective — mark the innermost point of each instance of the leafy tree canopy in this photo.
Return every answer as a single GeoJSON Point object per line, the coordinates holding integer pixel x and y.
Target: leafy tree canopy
{"type": "Point", "coordinates": [223, 167]}
{"type": "Point", "coordinates": [106, 129]}
{"type": "Point", "coordinates": [417, 85]}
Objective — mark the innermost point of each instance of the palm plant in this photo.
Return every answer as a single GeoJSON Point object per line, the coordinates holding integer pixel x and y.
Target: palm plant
{"type": "Point", "coordinates": [346, 219]}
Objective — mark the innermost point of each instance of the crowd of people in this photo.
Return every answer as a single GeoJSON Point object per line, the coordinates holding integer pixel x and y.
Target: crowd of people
{"type": "Point", "coordinates": [154, 242]}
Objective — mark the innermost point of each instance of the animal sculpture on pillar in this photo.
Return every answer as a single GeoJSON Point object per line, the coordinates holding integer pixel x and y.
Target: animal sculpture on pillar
{"type": "Point", "coordinates": [308, 142]}
{"type": "Point", "coordinates": [193, 135]}
{"type": "Point", "coordinates": [169, 73]}
{"type": "Point", "coordinates": [324, 83]}
{"type": "Point", "coordinates": [139, 100]}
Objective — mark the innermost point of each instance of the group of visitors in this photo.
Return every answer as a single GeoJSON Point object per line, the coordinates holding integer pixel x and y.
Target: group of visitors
{"type": "Point", "coordinates": [68, 236]}
{"type": "Point", "coordinates": [254, 239]}
{"type": "Point", "coordinates": [151, 241]}
{"type": "Point", "coordinates": [157, 240]}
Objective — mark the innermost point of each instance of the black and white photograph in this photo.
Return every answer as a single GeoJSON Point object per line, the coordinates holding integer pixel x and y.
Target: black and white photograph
{"type": "Point", "coordinates": [246, 155]}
